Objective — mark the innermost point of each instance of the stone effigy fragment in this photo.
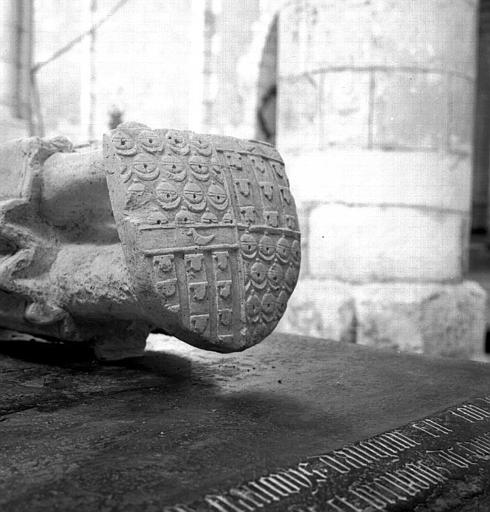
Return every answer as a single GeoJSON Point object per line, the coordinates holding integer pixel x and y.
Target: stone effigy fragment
{"type": "Point", "coordinates": [161, 230]}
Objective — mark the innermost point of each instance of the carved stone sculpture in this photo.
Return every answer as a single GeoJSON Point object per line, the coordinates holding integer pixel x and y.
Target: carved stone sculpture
{"type": "Point", "coordinates": [161, 230]}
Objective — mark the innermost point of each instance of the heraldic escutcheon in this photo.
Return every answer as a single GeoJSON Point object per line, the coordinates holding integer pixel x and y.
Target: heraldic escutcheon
{"type": "Point", "coordinates": [163, 231]}
{"type": "Point", "coordinates": [209, 232]}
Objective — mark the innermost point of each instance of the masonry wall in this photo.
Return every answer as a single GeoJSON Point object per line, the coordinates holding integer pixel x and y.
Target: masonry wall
{"type": "Point", "coordinates": [376, 123]}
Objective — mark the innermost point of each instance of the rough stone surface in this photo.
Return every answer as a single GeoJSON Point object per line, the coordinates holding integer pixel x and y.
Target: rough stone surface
{"type": "Point", "coordinates": [321, 308]}
{"type": "Point", "coordinates": [410, 110]}
{"type": "Point", "coordinates": [205, 242]}
{"type": "Point", "coordinates": [445, 320]}
{"type": "Point", "coordinates": [177, 425]}
{"type": "Point", "coordinates": [405, 178]}
{"type": "Point", "coordinates": [299, 113]}
{"type": "Point", "coordinates": [362, 244]}
{"type": "Point", "coordinates": [427, 34]}
{"type": "Point", "coordinates": [344, 106]}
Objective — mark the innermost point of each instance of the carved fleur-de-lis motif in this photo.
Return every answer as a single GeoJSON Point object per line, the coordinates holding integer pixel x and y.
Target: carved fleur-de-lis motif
{"type": "Point", "coordinates": [198, 291]}
{"type": "Point", "coordinates": [164, 263]}
{"type": "Point", "coordinates": [267, 189]}
{"type": "Point", "coordinates": [258, 163]}
{"type": "Point", "coordinates": [248, 214]}
{"type": "Point", "coordinates": [217, 174]}
{"type": "Point", "coordinates": [199, 323]}
{"type": "Point", "coordinates": [221, 259]}
{"type": "Point", "coordinates": [285, 194]}
{"type": "Point", "coordinates": [243, 186]}
{"type": "Point", "coordinates": [290, 221]}
{"type": "Point", "coordinates": [167, 287]}
{"type": "Point", "coordinates": [194, 262]}
{"type": "Point", "coordinates": [233, 159]}
{"type": "Point", "coordinates": [278, 169]}
{"type": "Point", "coordinates": [224, 288]}
{"type": "Point", "coordinates": [272, 219]}
{"type": "Point", "coordinates": [224, 316]}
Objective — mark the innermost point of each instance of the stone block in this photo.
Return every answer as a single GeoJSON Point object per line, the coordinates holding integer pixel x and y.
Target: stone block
{"type": "Point", "coordinates": [411, 178]}
{"type": "Point", "coordinates": [432, 34]}
{"type": "Point", "coordinates": [410, 110]}
{"type": "Point", "coordinates": [345, 109]}
{"type": "Point", "coordinates": [446, 320]}
{"type": "Point", "coordinates": [298, 111]}
{"type": "Point", "coordinates": [381, 243]}
{"type": "Point", "coordinates": [429, 34]}
{"type": "Point", "coordinates": [321, 308]}
{"type": "Point", "coordinates": [461, 114]}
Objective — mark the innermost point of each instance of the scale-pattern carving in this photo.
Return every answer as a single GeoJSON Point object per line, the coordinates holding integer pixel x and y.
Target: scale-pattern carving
{"type": "Point", "coordinates": [214, 218]}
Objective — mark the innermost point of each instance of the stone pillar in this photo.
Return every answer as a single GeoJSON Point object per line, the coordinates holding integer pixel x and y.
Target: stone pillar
{"type": "Point", "coordinates": [482, 134]}
{"type": "Point", "coordinates": [15, 62]}
{"type": "Point", "coordinates": [375, 124]}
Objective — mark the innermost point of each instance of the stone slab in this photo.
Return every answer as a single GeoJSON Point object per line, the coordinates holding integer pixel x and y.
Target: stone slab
{"type": "Point", "coordinates": [447, 320]}
{"type": "Point", "coordinates": [425, 179]}
{"type": "Point", "coordinates": [362, 244]}
{"type": "Point", "coordinates": [177, 426]}
{"type": "Point", "coordinates": [355, 176]}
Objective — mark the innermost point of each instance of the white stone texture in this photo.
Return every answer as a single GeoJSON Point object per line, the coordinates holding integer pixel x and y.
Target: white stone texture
{"type": "Point", "coordinates": [382, 243]}
{"type": "Point", "coordinates": [344, 106]}
{"type": "Point", "coordinates": [321, 308]}
{"type": "Point", "coordinates": [446, 320]}
{"type": "Point", "coordinates": [410, 110]}
{"type": "Point", "coordinates": [434, 319]}
{"type": "Point", "coordinates": [430, 34]}
{"type": "Point", "coordinates": [299, 113]}
{"type": "Point", "coordinates": [431, 179]}
{"type": "Point", "coordinates": [375, 124]}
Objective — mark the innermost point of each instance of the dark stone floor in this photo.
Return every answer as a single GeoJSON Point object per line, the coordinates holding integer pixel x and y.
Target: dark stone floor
{"type": "Point", "coordinates": [168, 427]}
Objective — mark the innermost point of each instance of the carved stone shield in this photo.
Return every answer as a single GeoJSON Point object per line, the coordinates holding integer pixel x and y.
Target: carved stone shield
{"type": "Point", "coordinates": [209, 231]}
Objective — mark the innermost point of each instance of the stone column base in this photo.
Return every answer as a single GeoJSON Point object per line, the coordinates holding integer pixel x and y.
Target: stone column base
{"type": "Point", "coordinates": [435, 319]}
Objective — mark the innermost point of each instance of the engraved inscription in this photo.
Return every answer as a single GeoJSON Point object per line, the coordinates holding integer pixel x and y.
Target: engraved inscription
{"type": "Point", "coordinates": [391, 471]}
